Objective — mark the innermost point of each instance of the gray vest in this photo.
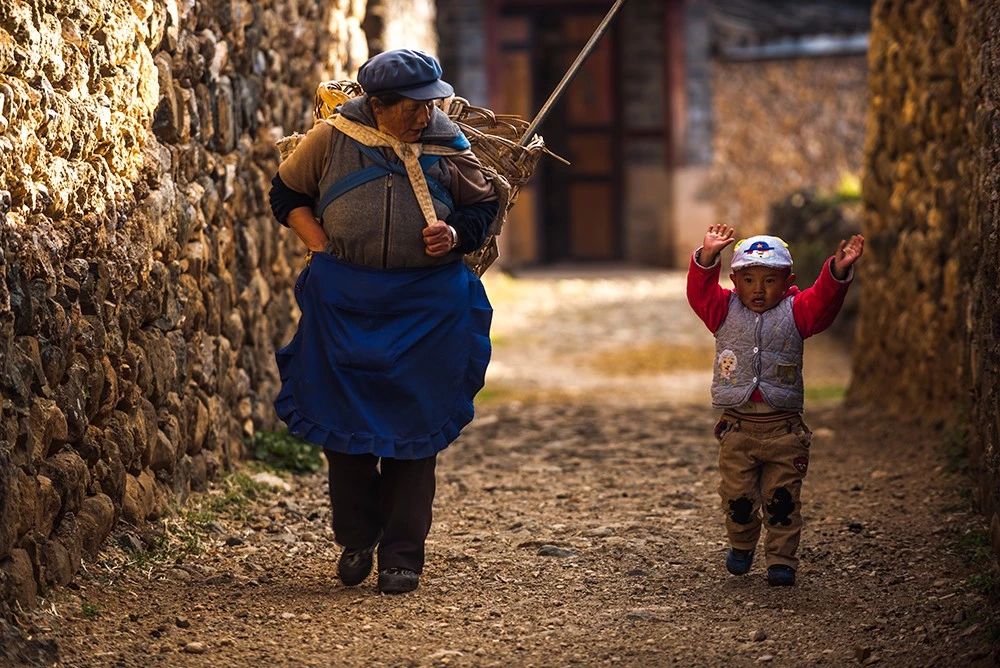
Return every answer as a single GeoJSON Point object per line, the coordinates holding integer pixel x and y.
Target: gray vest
{"type": "Point", "coordinates": [758, 350]}
{"type": "Point", "coordinates": [379, 224]}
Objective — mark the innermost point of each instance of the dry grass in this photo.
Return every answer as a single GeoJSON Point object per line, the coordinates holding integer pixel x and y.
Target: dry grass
{"type": "Point", "coordinates": [650, 359]}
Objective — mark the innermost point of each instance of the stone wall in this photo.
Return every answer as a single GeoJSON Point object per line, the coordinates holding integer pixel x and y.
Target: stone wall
{"type": "Point", "coordinates": [780, 126]}
{"type": "Point", "coordinates": [143, 286]}
{"type": "Point", "coordinates": [930, 328]}
{"type": "Point", "coordinates": [401, 24]}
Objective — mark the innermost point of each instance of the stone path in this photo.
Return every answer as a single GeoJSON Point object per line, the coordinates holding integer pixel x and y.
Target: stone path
{"type": "Point", "coordinates": [576, 524]}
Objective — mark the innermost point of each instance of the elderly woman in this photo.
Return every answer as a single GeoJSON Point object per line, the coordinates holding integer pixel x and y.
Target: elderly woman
{"type": "Point", "coordinates": [393, 341]}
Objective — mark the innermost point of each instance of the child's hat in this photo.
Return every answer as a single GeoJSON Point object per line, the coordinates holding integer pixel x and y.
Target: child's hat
{"type": "Point", "coordinates": [761, 251]}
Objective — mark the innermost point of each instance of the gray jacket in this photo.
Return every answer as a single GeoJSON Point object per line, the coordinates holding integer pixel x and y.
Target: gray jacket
{"type": "Point", "coordinates": [379, 223]}
{"type": "Point", "coordinates": [758, 350]}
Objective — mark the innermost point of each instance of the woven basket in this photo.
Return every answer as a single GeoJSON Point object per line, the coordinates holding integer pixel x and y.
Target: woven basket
{"type": "Point", "coordinates": [494, 139]}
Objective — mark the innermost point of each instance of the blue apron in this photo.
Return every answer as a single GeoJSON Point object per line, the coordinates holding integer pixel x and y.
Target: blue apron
{"type": "Point", "coordinates": [384, 362]}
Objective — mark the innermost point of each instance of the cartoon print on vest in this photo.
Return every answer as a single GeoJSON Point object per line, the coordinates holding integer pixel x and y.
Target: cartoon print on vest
{"type": "Point", "coordinates": [741, 510]}
{"type": "Point", "coordinates": [727, 364]}
{"type": "Point", "coordinates": [780, 507]}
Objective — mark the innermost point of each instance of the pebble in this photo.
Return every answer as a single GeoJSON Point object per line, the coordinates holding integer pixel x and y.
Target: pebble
{"type": "Point", "coordinates": [182, 622]}
{"type": "Point", "coordinates": [271, 480]}
{"type": "Point", "coordinates": [556, 551]}
{"type": "Point", "coordinates": [195, 647]}
{"type": "Point", "coordinates": [130, 542]}
{"type": "Point", "coordinates": [759, 635]}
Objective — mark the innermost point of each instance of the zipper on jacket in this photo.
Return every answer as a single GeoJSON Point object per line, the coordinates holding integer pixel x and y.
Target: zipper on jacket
{"type": "Point", "coordinates": [388, 217]}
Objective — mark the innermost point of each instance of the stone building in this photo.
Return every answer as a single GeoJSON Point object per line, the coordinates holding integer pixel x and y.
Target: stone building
{"type": "Point", "coordinates": [690, 111]}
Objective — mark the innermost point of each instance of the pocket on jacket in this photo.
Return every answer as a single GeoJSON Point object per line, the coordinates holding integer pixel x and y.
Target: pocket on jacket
{"type": "Point", "coordinates": [788, 374]}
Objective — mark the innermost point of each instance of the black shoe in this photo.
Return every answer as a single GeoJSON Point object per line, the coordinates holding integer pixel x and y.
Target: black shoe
{"type": "Point", "coordinates": [397, 580]}
{"type": "Point", "coordinates": [780, 576]}
{"type": "Point", "coordinates": [739, 562]}
{"type": "Point", "coordinates": [355, 565]}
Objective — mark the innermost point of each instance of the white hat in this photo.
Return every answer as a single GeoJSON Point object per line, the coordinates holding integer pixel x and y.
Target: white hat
{"type": "Point", "coordinates": [761, 251]}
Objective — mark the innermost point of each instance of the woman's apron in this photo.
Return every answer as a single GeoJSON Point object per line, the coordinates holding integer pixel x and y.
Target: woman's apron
{"type": "Point", "coordinates": [384, 362]}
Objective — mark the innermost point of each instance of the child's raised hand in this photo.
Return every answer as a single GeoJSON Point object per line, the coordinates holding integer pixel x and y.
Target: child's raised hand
{"type": "Point", "coordinates": [717, 238]}
{"type": "Point", "coordinates": [847, 254]}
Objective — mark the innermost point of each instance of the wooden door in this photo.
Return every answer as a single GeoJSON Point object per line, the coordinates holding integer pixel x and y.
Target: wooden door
{"type": "Point", "coordinates": [573, 212]}
{"type": "Point", "coordinates": [583, 201]}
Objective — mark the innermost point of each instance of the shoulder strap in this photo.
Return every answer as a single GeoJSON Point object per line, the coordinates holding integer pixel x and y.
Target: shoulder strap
{"type": "Point", "coordinates": [383, 167]}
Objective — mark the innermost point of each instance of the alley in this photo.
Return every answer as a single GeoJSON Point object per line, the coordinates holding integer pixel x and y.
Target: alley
{"type": "Point", "coordinates": [577, 523]}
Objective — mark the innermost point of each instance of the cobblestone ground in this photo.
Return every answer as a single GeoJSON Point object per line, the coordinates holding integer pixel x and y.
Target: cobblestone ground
{"type": "Point", "coordinates": [577, 523]}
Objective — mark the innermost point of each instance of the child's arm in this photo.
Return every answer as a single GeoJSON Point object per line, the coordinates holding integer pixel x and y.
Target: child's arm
{"type": "Point", "coordinates": [709, 299]}
{"type": "Point", "coordinates": [816, 307]}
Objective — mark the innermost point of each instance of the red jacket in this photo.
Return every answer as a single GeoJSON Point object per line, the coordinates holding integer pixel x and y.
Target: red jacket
{"type": "Point", "coordinates": [814, 308]}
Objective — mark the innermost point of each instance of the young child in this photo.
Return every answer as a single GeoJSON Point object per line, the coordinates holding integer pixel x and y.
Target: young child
{"type": "Point", "coordinates": [757, 381]}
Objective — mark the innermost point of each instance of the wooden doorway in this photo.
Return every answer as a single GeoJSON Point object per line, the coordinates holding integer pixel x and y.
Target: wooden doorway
{"type": "Point", "coordinates": [576, 212]}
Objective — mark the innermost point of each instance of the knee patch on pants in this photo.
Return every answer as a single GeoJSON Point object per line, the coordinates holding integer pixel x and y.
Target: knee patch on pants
{"type": "Point", "coordinates": [780, 507]}
{"type": "Point", "coordinates": [741, 510]}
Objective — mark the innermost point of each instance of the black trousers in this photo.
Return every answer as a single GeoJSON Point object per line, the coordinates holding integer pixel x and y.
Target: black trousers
{"type": "Point", "coordinates": [391, 496]}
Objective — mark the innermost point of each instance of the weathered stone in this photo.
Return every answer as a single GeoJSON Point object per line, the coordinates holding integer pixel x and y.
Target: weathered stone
{"type": "Point", "coordinates": [48, 428]}
{"type": "Point", "coordinates": [70, 477]}
{"type": "Point", "coordinates": [68, 535]}
{"type": "Point", "coordinates": [55, 562]}
{"type": "Point", "coordinates": [47, 507]}
{"type": "Point", "coordinates": [163, 454]}
{"type": "Point", "coordinates": [17, 579]}
{"type": "Point", "coordinates": [138, 501]}
{"type": "Point", "coordinates": [18, 500]}
{"type": "Point", "coordinates": [95, 519]}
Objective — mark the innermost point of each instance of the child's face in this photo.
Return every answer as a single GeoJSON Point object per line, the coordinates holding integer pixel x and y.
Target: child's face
{"type": "Point", "coordinates": [762, 288]}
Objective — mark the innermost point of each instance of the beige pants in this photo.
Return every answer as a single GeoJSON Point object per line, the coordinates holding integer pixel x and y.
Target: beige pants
{"type": "Point", "coordinates": [762, 461]}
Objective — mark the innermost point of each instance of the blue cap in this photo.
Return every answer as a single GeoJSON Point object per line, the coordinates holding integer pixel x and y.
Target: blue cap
{"type": "Point", "coordinates": [761, 251]}
{"type": "Point", "coordinates": [410, 73]}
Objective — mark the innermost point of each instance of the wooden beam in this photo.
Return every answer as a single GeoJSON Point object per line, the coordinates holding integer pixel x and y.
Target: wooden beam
{"type": "Point", "coordinates": [675, 78]}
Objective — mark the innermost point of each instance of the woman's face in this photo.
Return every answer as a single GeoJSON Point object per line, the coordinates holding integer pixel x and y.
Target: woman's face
{"type": "Point", "coordinates": [404, 120]}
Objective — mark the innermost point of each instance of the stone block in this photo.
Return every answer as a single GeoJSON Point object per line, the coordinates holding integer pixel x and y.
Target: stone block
{"type": "Point", "coordinates": [17, 579]}
{"type": "Point", "coordinates": [163, 454]}
{"type": "Point", "coordinates": [55, 562]}
{"type": "Point", "coordinates": [95, 520]}
{"type": "Point", "coordinates": [70, 477]}
{"type": "Point", "coordinates": [139, 499]}
{"type": "Point", "coordinates": [47, 506]}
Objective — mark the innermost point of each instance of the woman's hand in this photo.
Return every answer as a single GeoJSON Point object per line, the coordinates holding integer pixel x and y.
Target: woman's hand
{"type": "Point", "coordinates": [439, 239]}
{"type": "Point", "coordinates": [308, 229]}
{"type": "Point", "coordinates": [717, 238]}
{"type": "Point", "coordinates": [846, 255]}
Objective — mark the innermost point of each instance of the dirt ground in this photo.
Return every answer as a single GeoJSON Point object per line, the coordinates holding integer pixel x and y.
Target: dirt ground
{"type": "Point", "coordinates": [576, 523]}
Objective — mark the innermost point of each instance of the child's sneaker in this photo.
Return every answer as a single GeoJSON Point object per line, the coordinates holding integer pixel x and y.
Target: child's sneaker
{"type": "Point", "coordinates": [738, 562]}
{"type": "Point", "coordinates": [780, 576]}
